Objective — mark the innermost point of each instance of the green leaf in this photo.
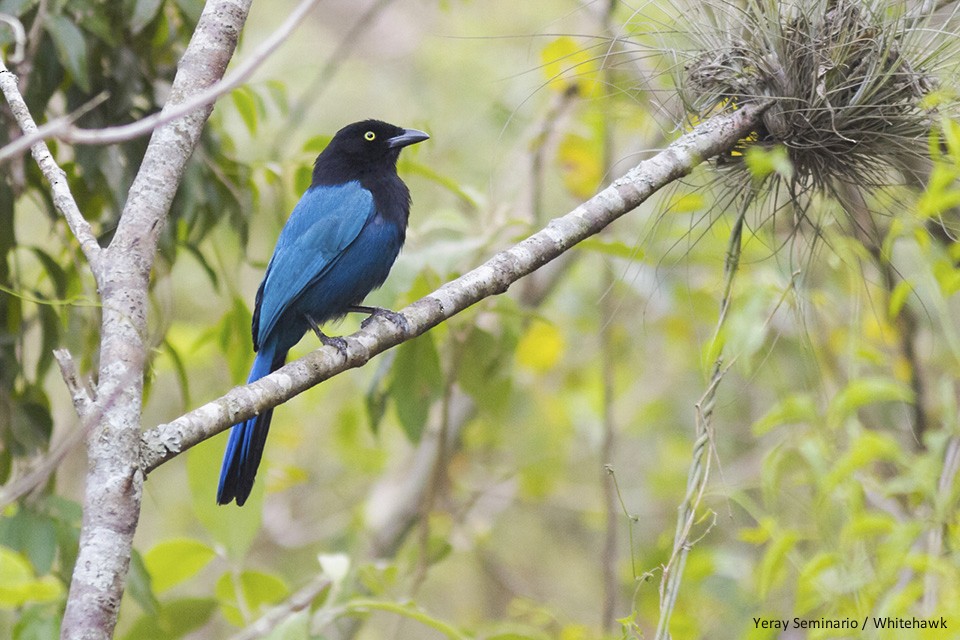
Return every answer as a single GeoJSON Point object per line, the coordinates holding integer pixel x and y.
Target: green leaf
{"type": "Point", "coordinates": [32, 534]}
{"type": "Point", "coordinates": [101, 24]}
{"type": "Point", "coordinates": [175, 620]}
{"type": "Point", "coordinates": [67, 516]}
{"type": "Point", "coordinates": [174, 561]}
{"type": "Point", "coordinates": [417, 382]}
{"type": "Point", "coordinates": [375, 400]}
{"type": "Point", "coordinates": [54, 271]}
{"type": "Point", "coordinates": [257, 589]}
{"type": "Point", "coordinates": [302, 178]}
{"type": "Point", "coordinates": [485, 367]}
{"type": "Point", "coordinates": [295, 627]}
{"type": "Point", "coordinates": [898, 298]}
{"type": "Point", "coordinates": [615, 248]}
{"type": "Point", "coordinates": [772, 569]}
{"type": "Point", "coordinates": [71, 48]}
{"type": "Point", "coordinates": [246, 102]}
{"type": "Point", "coordinates": [139, 585]}
{"type": "Point", "coordinates": [49, 337]}
{"type": "Point", "coordinates": [762, 162]}
{"type": "Point", "coordinates": [180, 368]}
{"type": "Point", "coordinates": [951, 136]}
{"type": "Point", "coordinates": [811, 592]}
{"type": "Point", "coordinates": [234, 339]}
{"type": "Point", "coordinates": [948, 277]}
{"type": "Point", "coordinates": [316, 144]}
{"type": "Point", "coordinates": [191, 9]}
{"type": "Point", "coordinates": [377, 578]}
{"type": "Point", "coordinates": [38, 622]}
{"type": "Point", "coordinates": [19, 586]}
{"type": "Point", "coordinates": [144, 11]}
{"type": "Point", "coordinates": [868, 448]}
{"type": "Point", "coordinates": [278, 92]}
{"type": "Point", "coordinates": [231, 526]}
{"type": "Point", "coordinates": [867, 525]}
{"type": "Point", "coordinates": [686, 203]}
{"type": "Point", "coordinates": [866, 391]}
{"type": "Point", "coordinates": [31, 425]}
{"type": "Point", "coordinates": [793, 409]}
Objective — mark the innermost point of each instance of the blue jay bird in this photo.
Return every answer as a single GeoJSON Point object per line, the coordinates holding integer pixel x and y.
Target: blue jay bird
{"type": "Point", "coordinates": [338, 245]}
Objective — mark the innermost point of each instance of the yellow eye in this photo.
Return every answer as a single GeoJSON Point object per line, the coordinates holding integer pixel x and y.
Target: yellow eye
{"type": "Point", "coordinates": [369, 136]}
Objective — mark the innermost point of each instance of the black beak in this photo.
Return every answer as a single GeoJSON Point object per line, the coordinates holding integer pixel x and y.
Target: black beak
{"type": "Point", "coordinates": [408, 137]}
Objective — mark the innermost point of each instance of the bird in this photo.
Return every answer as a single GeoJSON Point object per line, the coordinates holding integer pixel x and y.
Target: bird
{"type": "Point", "coordinates": [338, 245]}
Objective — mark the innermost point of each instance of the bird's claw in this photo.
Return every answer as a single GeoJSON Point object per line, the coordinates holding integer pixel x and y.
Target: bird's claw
{"type": "Point", "coordinates": [337, 343]}
{"type": "Point", "coordinates": [396, 319]}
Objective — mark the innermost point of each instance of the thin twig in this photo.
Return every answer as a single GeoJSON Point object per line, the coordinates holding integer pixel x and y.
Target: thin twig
{"type": "Point", "coordinates": [543, 143]}
{"type": "Point", "coordinates": [407, 610]}
{"type": "Point", "coordinates": [22, 59]}
{"type": "Point", "coordinates": [63, 198]}
{"type": "Point", "coordinates": [63, 128]}
{"type": "Point", "coordinates": [19, 37]}
{"type": "Point", "coordinates": [700, 464]}
{"type": "Point", "coordinates": [25, 67]}
{"type": "Point", "coordinates": [299, 601]}
{"type": "Point", "coordinates": [631, 518]}
{"type": "Point", "coordinates": [82, 399]}
{"type": "Point", "coordinates": [699, 473]}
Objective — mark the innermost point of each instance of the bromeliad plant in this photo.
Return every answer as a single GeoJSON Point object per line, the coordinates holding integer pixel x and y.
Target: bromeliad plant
{"type": "Point", "coordinates": [855, 84]}
{"type": "Point", "coordinates": [862, 95]}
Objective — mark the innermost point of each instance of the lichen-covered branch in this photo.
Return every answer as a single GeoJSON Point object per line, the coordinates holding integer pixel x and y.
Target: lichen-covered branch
{"type": "Point", "coordinates": [491, 278]}
{"type": "Point", "coordinates": [114, 480]}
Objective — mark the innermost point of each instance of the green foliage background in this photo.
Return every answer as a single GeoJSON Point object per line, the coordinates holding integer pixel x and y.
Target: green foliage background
{"type": "Point", "coordinates": [824, 503]}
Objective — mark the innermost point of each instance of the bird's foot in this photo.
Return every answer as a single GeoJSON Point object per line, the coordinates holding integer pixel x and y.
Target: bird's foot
{"type": "Point", "coordinates": [397, 319]}
{"type": "Point", "coordinates": [337, 343]}
{"type": "Point", "coordinates": [328, 341]}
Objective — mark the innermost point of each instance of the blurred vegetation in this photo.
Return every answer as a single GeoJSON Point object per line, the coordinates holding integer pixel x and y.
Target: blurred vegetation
{"type": "Point", "coordinates": [835, 431]}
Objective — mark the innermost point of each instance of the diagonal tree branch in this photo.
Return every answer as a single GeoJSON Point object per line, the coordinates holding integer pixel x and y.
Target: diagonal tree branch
{"type": "Point", "coordinates": [491, 278]}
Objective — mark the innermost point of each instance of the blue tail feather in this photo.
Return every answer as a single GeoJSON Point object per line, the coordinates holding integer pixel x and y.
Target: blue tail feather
{"type": "Point", "coordinates": [245, 446]}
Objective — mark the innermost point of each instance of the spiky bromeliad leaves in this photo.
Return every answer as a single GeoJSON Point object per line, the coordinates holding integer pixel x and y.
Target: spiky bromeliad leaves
{"type": "Point", "coordinates": [854, 83]}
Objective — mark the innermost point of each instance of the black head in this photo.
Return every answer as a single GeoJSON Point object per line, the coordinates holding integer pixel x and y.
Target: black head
{"type": "Point", "coordinates": [361, 149]}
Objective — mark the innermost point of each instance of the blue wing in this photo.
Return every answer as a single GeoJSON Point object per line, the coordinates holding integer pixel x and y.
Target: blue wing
{"type": "Point", "coordinates": [323, 224]}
